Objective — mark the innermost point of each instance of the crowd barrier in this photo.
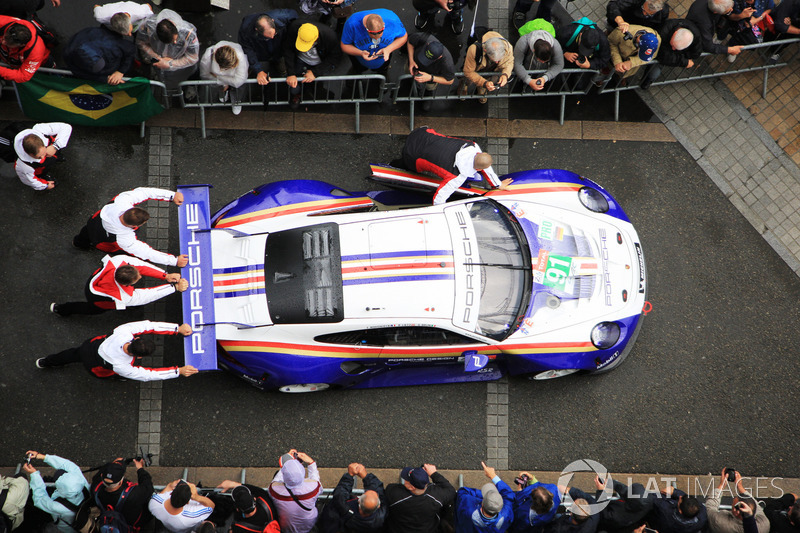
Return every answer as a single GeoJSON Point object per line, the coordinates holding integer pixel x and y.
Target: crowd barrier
{"type": "Point", "coordinates": [571, 82]}
{"type": "Point", "coordinates": [374, 88]}
{"type": "Point", "coordinates": [354, 90]}
{"type": "Point", "coordinates": [754, 57]}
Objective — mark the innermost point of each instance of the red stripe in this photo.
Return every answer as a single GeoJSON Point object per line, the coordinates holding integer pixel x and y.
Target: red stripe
{"type": "Point", "coordinates": [292, 211]}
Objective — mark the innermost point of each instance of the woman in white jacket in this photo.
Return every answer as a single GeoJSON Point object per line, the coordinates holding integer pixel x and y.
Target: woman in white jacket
{"type": "Point", "coordinates": [226, 63]}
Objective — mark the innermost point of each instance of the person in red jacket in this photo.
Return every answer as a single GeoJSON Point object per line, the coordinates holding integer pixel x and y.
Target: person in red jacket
{"type": "Point", "coordinates": [21, 48]}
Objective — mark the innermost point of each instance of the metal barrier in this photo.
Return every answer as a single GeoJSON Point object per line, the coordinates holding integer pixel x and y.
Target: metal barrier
{"type": "Point", "coordinates": [158, 88]}
{"type": "Point", "coordinates": [353, 89]}
{"type": "Point", "coordinates": [570, 82]}
{"type": "Point", "coordinates": [754, 57]}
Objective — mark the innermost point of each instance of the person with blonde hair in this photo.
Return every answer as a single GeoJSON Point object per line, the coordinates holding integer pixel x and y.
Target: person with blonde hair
{"type": "Point", "coordinates": [226, 63]}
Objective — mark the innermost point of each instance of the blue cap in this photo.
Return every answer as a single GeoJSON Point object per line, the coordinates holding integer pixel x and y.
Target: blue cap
{"type": "Point", "coordinates": [648, 44]}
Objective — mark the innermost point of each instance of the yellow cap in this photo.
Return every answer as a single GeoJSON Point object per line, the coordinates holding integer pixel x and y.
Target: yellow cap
{"type": "Point", "coordinates": [307, 35]}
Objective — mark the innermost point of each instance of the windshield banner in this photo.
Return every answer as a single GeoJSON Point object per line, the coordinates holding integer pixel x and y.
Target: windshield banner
{"type": "Point", "coordinates": [200, 348]}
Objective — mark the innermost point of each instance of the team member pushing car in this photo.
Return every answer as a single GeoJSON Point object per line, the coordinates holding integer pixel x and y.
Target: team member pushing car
{"type": "Point", "coordinates": [107, 356]}
{"type": "Point", "coordinates": [113, 228]}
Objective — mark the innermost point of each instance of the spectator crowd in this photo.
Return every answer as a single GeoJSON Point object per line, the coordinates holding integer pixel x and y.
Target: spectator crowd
{"type": "Point", "coordinates": [302, 44]}
{"type": "Point", "coordinates": [422, 501]}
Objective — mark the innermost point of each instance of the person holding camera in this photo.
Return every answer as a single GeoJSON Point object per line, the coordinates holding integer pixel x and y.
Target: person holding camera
{"type": "Point", "coordinates": [294, 492]}
{"type": "Point", "coordinates": [723, 521]}
{"type": "Point", "coordinates": [633, 49]}
{"type": "Point", "coordinates": [418, 503]}
{"type": "Point", "coordinates": [370, 37]}
{"type": "Point", "coordinates": [348, 513]}
{"type": "Point", "coordinates": [430, 63]}
{"type": "Point", "coordinates": [626, 513]}
{"type": "Point", "coordinates": [538, 50]}
{"type": "Point", "coordinates": [179, 507]}
{"type": "Point", "coordinates": [109, 485]}
{"type": "Point", "coordinates": [71, 489]}
{"type": "Point", "coordinates": [535, 504]}
{"type": "Point", "coordinates": [783, 514]}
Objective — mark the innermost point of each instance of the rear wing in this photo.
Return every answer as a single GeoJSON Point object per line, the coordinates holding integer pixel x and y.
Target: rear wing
{"type": "Point", "coordinates": [200, 348]}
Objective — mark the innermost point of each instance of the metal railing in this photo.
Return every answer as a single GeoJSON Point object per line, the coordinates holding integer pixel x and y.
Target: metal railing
{"type": "Point", "coordinates": [354, 90]}
{"type": "Point", "coordinates": [753, 58]}
{"type": "Point", "coordinates": [570, 82]}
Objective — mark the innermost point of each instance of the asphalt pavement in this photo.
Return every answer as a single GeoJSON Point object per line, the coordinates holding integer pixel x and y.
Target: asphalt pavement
{"type": "Point", "coordinates": [710, 382]}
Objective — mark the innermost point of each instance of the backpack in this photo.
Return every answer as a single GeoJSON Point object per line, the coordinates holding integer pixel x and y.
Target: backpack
{"type": "Point", "coordinates": [580, 25]}
{"type": "Point", "coordinates": [537, 24]}
{"type": "Point", "coordinates": [477, 37]}
{"type": "Point", "coordinates": [85, 513]}
{"type": "Point", "coordinates": [272, 524]}
{"type": "Point", "coordinates": [7, 135]}
{"type": "Point", "coordinates": [111, 519]}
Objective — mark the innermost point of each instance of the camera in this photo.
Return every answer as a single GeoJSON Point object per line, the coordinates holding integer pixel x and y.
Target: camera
{"type": "Point", "coordinates": [731, 473]}
{"type": "Point", "coordinates": [415, 70]}
{"type": "Point", "coordinates": [538, 82]}
{"type": "Point", "coordinates": [522, 480]}
{"type": "Point", "coordinates": [627, 36]}
{"type": "Point", "coordinates": [580, 59]}
{"type": "Point", "coordinates": [153, 60]}
{"type": "Point", "coordinates": [28, 458]}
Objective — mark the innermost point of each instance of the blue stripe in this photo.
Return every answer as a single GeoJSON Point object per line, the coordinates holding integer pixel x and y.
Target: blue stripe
{"type": "Point", "coordinates": [235, 294]}
{"type": "Point", "coordinates": [232, 270]}
{"type": "Point", "coordinates": [384, 255]}
{"type": "Point", "coordinates": [391, 279]}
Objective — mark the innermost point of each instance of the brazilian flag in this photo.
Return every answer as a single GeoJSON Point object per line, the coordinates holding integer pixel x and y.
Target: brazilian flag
{"type": "Point", "coordinates": [86, 103]}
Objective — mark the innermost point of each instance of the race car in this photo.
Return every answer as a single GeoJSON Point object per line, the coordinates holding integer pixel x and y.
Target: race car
{"type": "Point", "coordinates": [301, 286]}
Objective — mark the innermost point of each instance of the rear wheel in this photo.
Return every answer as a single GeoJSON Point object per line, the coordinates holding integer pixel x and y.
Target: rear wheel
{"type": "Point", "coordinates": [304, 387]}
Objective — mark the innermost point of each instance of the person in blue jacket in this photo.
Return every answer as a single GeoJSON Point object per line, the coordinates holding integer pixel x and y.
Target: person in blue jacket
{"type": "Point", "coordinates": [71, 489]}
{"type": "Point", "coordinates": [535, 505]}
{"type": "Point", "coordinates": [100, 54]}
{"type": "Point", "coordinates": [488, 510]}
{"type": "Point", "coordinates": [262, 36]}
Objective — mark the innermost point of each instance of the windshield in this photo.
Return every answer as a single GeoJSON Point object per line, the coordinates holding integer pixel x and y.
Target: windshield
{"type": "Point", "coordinates": [505, 268]}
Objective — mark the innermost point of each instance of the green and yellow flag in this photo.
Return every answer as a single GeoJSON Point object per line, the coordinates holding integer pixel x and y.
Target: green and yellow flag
{"type": "Point", "coordinates": [55, 99]}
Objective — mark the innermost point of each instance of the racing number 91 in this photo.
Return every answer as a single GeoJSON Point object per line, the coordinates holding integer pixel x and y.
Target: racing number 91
{"type": "Point", "coordinates": [557, 271]}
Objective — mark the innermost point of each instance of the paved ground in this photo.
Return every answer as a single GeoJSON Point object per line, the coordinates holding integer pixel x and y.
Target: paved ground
{"type": "Point", "coordinates": [715, 355]}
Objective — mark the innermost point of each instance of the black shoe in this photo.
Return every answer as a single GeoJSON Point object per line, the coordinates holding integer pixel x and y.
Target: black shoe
{"type": "Point", "coordinates": [421, 21]}
{"type": "Point", "coordinates": [426, 105]}
{"type": "Point", "coordinates": [457, 23]}
{"type": "Point", "coordinates": [54, 309]}
{"type": "Point", "coordinates": [294, 103]}
{"type": "Point", "coordinates": [41, 363]}
{"type": "Point", "coordinates": [79, 246]}
{"type": "Point", "coordinates": [518, 19]}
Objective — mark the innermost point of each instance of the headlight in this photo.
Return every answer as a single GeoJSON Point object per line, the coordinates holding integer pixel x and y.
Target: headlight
{"type": "Point", "coordinates": [593, 200]}
{"type": "Point", "coordinates": [605, 335]}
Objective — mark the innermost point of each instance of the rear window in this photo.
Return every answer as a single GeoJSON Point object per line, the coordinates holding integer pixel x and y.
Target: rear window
{"type": "Point", "coordinates": [303, 275]}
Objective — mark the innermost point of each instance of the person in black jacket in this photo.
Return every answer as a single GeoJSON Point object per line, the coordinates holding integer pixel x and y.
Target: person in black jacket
{"type": "Point", "coordinates": [584, 46]}
{"type": "Point", "coordinates": [252, 509]}
{"type": "Point", "coordinates": [677, 512]}
{"type": "Point", "coordinates": [261, 36]}
{"type": "Point", "coordinates": [346, 513]}
{"type": "Point", "coordinates": [783, 514]}
{"type": "Point", "coordinates": [712, 19]}
{"type": "Point", "coordinates": [680, 43]}
{"type": "Point", "coordinates": [417, 505]}
{"type": "Point", "coordinates": [109, 483]}
{"type": "Point", "coordinates": [100, 54]}
{"type": "Point", "coordinates": [651, 13]}
{"type": "Point", "coordinates": [626, 513]}
{"type": "Point", "coordinates": [23, 9]}
{"type": "Point", "coordinates": [310, 49]}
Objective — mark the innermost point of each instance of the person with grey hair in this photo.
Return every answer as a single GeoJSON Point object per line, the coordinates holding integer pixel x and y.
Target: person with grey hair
{"type": "Point", "coordinates": [485, 510]}
{"type": "Point", "coordinates": [711, 19]}
{"type": "Point", "coordinates": [492, 53]}
{"type": "Point", "coordinates": [680, 43]}
{"type": "Point", "coordinates": [120, 16]}
{"type": "Point", "coordinates": [650, 13]}
{"type": "Point", "coordinates": [347, 513]}
{"type": "Point", "coordinates": [538, 50]}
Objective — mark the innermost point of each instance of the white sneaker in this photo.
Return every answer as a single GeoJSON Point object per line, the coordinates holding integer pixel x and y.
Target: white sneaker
{"type": "Point", "coordinates": [223, 97]}
{"type": "Point", "coordinates": [731, 58]}
{"type": "Point", "coordinates": [236, 109]}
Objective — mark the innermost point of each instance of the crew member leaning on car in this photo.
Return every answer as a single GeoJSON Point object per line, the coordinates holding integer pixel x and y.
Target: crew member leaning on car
{"type": "Point", "coordinates": [113, 228]}
{"type": "Point", "coordinates": [112, 287]}
{"type": "Point", "coordinates": [116, 354]}
{"type": "Point", "coordinates": [452, 159]}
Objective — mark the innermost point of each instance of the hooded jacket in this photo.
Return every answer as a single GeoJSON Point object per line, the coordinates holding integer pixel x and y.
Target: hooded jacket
{"type": "Point", "coordinates": [524, 59]}
{"type": "Point", "coordinates": [469, 518]}
{"type": "Point", "coordinates": [184, 53]}
{"type": "Point", "coordinates": [209, 68]}
{"type": "Point", "coordinates": [69, 486]}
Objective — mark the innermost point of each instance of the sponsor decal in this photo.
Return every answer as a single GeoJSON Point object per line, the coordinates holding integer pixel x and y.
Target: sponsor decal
{"type": "Point", "coordinates": [553, 270]}
{"type": "Point", "coordinates": [604, 260]}
{"type": "Point", "coordinates": [550, 230]}
{"type": "Point", "coordinates": [640, 256]}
